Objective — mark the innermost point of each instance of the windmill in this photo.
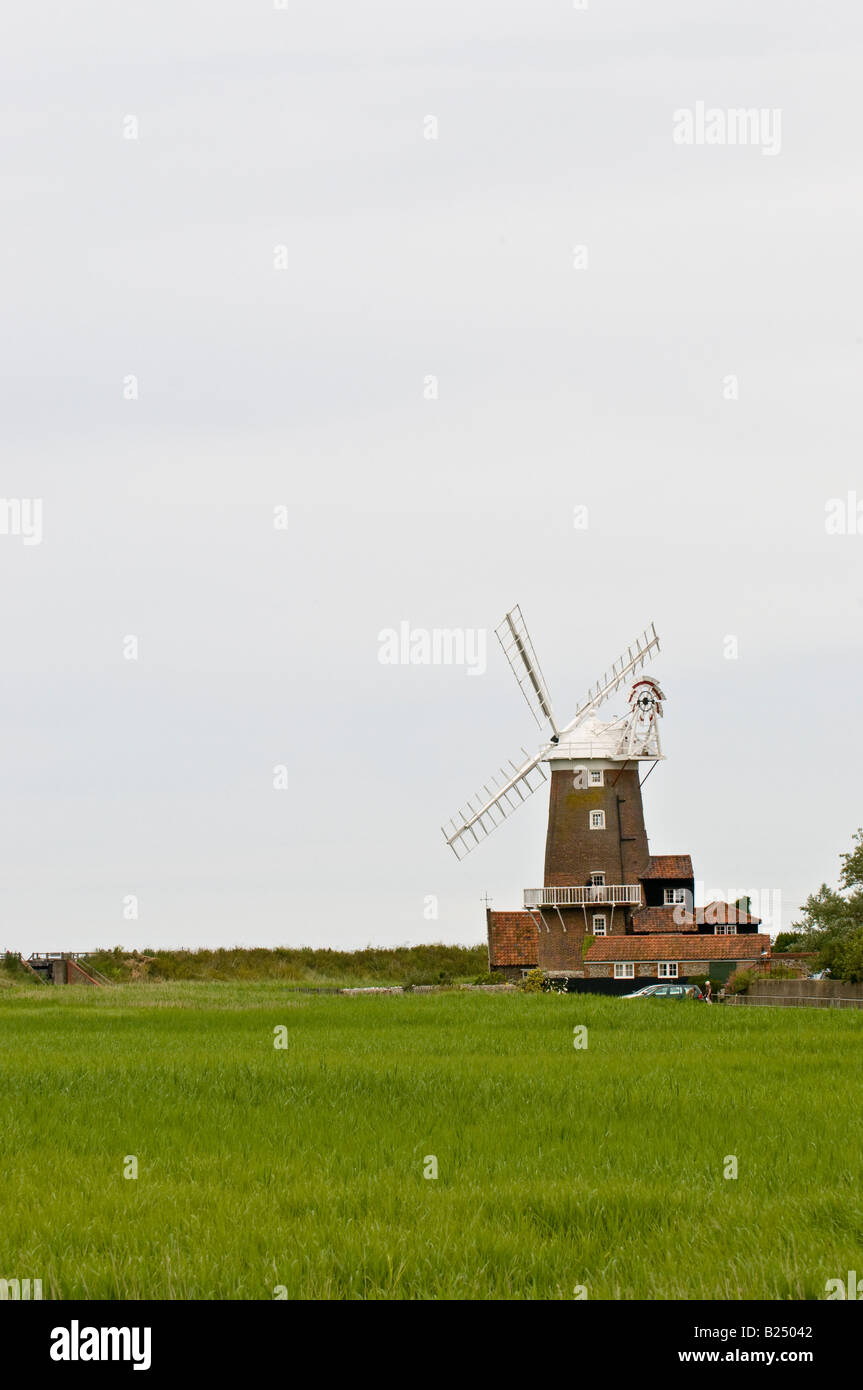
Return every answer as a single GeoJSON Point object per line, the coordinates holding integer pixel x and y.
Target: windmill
{"type": "Point", "coordinates": [607, 910]}
{"type": "Point", "coordinates": [583, 746]}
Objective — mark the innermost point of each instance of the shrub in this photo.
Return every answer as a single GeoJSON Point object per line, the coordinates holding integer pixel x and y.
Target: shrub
{"type": "Point", "coordinates": [138, 967]}
{"type": "Point", "coordinates": [16, 970]}
{"type": "Point", "coordinates": [431, 964]}
{"type": "Point", "coordinates": [418, 977]}
{"type": "Point", "coordinates": [778, 970]}
{"type": "Point", "coordinates": [741, 979]}
{"type": "Point", "coordinates": [427, 977]}
{"type": "Point", "coordinates": [533, 981]}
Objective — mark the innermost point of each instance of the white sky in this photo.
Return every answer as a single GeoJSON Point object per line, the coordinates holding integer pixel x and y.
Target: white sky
{"type": "Point", "coordinates": [303, 127]}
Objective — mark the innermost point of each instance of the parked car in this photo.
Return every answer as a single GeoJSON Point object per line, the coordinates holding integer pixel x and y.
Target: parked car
{"type": "Point", "coordinates": [666, 991]}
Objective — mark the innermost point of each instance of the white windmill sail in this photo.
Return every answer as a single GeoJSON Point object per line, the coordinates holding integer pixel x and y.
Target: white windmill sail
{"type": "Point", "coordinates": [518, 649]}
{"type": "Point", "coordinates": [469, 827]}
{"type": "Point", "coordinates": [637, 654]}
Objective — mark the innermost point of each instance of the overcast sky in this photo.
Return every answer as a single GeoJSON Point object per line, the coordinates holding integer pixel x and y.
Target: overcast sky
{"type": "Point", "coordinates": [282, 259]}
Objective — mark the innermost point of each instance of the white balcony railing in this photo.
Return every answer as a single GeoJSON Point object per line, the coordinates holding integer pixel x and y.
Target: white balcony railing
{"type": "Point", "coordinates": [612, 894]}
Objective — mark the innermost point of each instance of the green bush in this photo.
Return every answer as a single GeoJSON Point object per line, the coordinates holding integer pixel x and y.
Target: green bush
{"type": "Point", "coordinates": [533, 981]}
{"type": "Point", "coordinates": [16, 970]}
{"type": "Point", "coordinates": [740, 980]}
{"type": "Point", "coordinates": [778, 970]}
{"type": "Point", "coordinates": [442, 979]}
{"type": "Point", "coordinates": [432, 964]}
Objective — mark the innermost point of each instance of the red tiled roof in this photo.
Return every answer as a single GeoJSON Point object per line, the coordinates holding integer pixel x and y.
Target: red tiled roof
{"type": "Point", "coordinates": [669, 866]}
{"type": "Point", "coordinates": [512, 938]}
{"type": "Point", "coordinates": [718, 912]}
{"type": "Point", "coordinates": [679, 947]}
{"type": "Point", "coordinates": [662, 919]}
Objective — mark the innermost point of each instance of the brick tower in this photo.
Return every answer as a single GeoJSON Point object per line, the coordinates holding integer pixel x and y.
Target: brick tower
{"type": "Point", "coordinates": [575, 845]}
{"type": "Point", "coordinates": [596, 845]}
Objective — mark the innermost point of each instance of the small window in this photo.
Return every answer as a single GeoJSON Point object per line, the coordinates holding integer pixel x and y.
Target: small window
{"type": "Point", "coordinates": [596, 778]}
{"type": "Point", "coordinates": [667, 970]}
{"type": "Point", "coordinates": [624, 970]}
{"type": "Point", "coordinates": [729, 929]}
{"type": "Point", "coordinates": [673, 896]}
{"type": "Point", "coordinates": [597, 880]}
{"type": "Point", "coordinates": [597, 820]}
{"type": "Point", "coordinates": [599, 924]}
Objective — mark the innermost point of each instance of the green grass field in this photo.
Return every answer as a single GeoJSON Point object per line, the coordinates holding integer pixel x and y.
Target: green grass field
{"type": "Point", "coordinates": [303, 1167]}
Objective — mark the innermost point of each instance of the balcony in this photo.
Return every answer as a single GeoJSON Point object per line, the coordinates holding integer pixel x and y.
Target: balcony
{"type": "Point", "coordinates": [610, 894]}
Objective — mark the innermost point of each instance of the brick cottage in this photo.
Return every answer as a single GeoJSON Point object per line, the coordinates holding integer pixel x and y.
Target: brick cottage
{"type": "Point", "coordinates": [600, 940]}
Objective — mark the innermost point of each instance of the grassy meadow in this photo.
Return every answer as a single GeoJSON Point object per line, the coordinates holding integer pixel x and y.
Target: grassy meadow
{"type": "Point", "coordinates": [303, 1167]}
{"type": "Point", "coordinates": [299, 966]}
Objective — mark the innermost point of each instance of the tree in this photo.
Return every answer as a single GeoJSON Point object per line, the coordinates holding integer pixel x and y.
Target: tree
{"type": "Point", "coordinates": [788, 941]}
{"type": "Point", "coordinates": [832, 922]}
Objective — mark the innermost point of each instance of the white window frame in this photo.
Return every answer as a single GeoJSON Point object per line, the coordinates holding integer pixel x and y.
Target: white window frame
{"type": "Point", "coordinates": [591, 815]}
{"type": "Point", "coordinates": [675, 897]}
{"type": "Point", "coordinates": [727, 929]}
{"type": "Point", "coordinates": [597, 930]}
{"type": "Point", "coordinates": [624, 970]}
{"type": "Point", "coordinates": [597, 890]}
{"type": "Point", "coordinates": [596, 777]}
{"type": "Point", "coordinates": [667, 970]}
{"type": "Point", "coordinates": [597, 878]}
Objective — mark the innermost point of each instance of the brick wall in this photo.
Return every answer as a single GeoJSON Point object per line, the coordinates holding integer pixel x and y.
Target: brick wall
{"type": "Point", "coordinates": [563, 950]}
{"type": "Point", "coordinates": [559, 949]}
{"type": "Point", "coordinates": [573, 851]}
{"type": "Point", "coordinates": [812, 994]}
{"type": "Point", "coordinates": [515, 973]}
{"type": "Point", "coordinates": [646, 970]}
